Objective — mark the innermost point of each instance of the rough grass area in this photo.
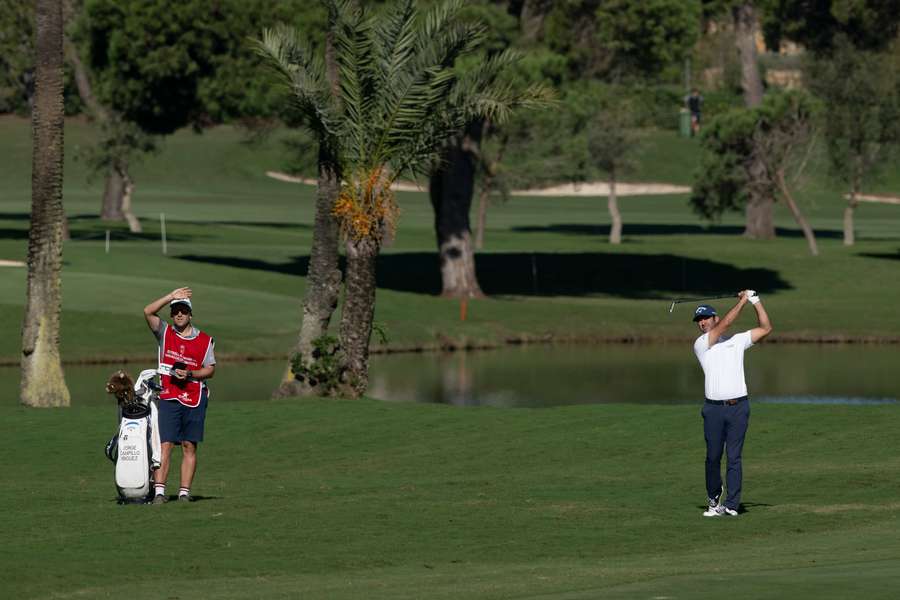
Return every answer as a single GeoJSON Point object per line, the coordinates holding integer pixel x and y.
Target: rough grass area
{"type": "Point", "coordinates": [242, 241]}
{"type": "Point", "coordinates": [340, 499]}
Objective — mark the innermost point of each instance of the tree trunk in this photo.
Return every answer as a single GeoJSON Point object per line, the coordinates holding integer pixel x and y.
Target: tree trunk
{"type": "Point", "coordinates": [357, 314]}
{"type": "Point", "coordinates": [760, 207]}
{"type": "Point", "coordinates": [43, 383]}
{"type": "Point", "coordinates": [451, 188]}
{"type": "Point", "coordinates": [760, 221]}
{"type": "Point", "coordinates": [615, 229]}
{"type": "Point", "coordinates": [849, 234]}
{"type": "Point", "coordinates": [134, 226]}
{"type": "Point", "coordinates": [487, 185]}
{"type": "Point", "coordinates": [113, 194]}
{"type": "Point", "coordinates": [115, 190]}
{"type": "Point", "coordinates": [323, 278]}
{"type": "Point", "coordinates": [482, 216]}
{"type": "Point", "coordinates": [798, 216]}
{"type": "Point", "coordinates": [531, 18]}
{"type": "Point", "coordinates": [745, 39]}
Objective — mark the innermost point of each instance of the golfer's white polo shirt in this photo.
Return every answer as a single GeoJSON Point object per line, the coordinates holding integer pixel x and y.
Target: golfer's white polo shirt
{"type": "Point", "coordinates": [723, 365]}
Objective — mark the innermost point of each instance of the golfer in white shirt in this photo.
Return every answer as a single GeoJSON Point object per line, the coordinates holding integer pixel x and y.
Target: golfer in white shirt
{"type": "Point", "coordinates": [726, 412]}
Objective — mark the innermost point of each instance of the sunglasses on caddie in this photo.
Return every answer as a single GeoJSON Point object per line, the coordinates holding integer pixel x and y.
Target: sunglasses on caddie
{"type": "Point", "coordinates": [180, 310]}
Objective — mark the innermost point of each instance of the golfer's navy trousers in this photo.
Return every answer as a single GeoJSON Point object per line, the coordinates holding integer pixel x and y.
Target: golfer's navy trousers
{"type": "Point", "coordinates": [724, 427]}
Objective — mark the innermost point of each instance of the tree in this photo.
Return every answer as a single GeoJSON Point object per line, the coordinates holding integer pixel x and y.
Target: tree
{"type": "Point", "coordinates": [859, 89]}
{"type": "Point", "coordinates": [310, 367]}
{"type": "Point", "coordinates": [754, 153]}
{"type": "Point", "coordinates": [646, 37]}
{"type": "Point", "coordinates": [16, 53]}
{"type": "Point", "coordinates": [399, 99]}
{"type": "Point", "coordinates": [611, 145]}
{"type": "Point", "coordinates": [866, 24]}
{"type": "Point", "coordinates": [43, 383]}
{"type": "Point", "coordinates": [782, 139]}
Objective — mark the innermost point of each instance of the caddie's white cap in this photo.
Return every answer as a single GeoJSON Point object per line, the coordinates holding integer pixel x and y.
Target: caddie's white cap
{"type": "Point", "coordinates": [182, 301]}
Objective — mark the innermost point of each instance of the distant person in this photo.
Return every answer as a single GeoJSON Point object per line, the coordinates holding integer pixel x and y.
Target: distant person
{"type": "Point", "coordinates": [726, 412]}
{"type": "Point", "coordinates": [694, 102]}
{"type": "Point", "coordinates": [186, 361]}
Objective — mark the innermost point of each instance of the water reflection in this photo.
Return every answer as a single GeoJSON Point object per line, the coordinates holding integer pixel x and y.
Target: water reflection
{"type": "Point", "coordinates": [659, 374]}
{"type": "Point", "coordinates": [537, 376]}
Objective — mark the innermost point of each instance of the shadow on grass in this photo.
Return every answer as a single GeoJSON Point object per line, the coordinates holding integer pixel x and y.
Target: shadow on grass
{"type": "Point", "coordinates": [297, 226]}
{"type": "Point", "coordinates": [13, 234]}
{"type": "Point", "coordinates": [894, 256]}
{"type": "Point", "coordinates": [649, 276]}
{"type": "Point", "coordinates": [18, 216]}
{"type": "Point", "coordinates": [658, 229]}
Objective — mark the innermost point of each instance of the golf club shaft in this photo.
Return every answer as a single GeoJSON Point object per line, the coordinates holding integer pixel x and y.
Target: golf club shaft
{"type": "Point", "coordinates": [719, 297]}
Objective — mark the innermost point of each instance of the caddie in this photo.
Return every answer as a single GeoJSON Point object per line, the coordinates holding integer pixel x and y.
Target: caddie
{"type": "Point", "coordinates": [186, 362]}
{"type": "Point", "coordinates": [726, 411]}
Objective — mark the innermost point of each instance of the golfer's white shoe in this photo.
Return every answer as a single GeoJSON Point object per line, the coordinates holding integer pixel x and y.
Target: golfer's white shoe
{"type": "Point", "coordinates": [720, 511]}
{"type": "Point", "coordinates": [714, 502]}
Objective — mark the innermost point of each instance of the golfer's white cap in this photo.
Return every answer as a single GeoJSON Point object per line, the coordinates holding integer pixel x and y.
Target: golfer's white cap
{"type": "Point", "coordinates": [182, 301]}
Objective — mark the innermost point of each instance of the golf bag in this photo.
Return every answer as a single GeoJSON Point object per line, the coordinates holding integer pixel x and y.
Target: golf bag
{"type": "Point", "coordinates": [135, 448]}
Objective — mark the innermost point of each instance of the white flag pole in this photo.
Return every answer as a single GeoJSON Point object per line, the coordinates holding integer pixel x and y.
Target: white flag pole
{"type": "Point", "coordinates": [162, 226]}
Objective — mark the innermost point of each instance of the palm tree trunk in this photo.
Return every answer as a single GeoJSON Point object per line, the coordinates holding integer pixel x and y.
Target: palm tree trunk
{"type": "Point", "coordinates": [798, 216]}
{"type": "Point", "coordinates": [615, 230]}
{"type": "Point", "coordinates": [451, 188]}
{"type": "Point", "coordinates": [357, 315]}
{"type": "Point", "coordinates": [43, 383]}
{"type": "Point", "coordinates": [323, 279]}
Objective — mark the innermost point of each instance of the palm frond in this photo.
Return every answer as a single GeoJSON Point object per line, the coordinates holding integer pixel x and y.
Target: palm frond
{"type": "Point", "coordinates": [395, 41]}
{"type": "Point", "coordinates": [302, 71]}
{"type": "Point", "coordinates": [353, 39]}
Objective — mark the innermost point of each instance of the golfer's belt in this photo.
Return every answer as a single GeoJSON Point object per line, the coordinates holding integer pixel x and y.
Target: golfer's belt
{"type": "Point", "coordinates": [731, 402]}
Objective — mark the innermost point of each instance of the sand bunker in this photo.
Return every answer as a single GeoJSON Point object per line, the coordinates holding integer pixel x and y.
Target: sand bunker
{"type": "Point", "coordinates": [599, 188]}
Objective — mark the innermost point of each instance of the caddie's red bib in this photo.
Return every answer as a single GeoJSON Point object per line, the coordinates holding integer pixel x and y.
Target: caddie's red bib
{"type": "Point", "coordinates": [191, 352]}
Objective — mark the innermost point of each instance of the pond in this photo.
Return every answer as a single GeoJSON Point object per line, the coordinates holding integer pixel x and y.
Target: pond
{"type": "Point", "coordinates": [542, 376]}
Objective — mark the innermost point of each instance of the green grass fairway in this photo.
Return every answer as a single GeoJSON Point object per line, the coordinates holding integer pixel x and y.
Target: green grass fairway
{"type": "Point", "coordinates": [242, 240]}
{"type": "Point", "coordinates": [340, 499]}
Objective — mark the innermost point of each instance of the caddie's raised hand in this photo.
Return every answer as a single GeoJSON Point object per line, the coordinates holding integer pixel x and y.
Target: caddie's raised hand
{"type": "Point", "coordinates": [181, 293]}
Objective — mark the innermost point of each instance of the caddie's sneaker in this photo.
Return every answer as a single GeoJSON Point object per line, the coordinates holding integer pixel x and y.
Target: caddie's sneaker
{"type": "Point", "coordinates": [184, 498]}
{"type": "Point", "coordinates": [160, 499]}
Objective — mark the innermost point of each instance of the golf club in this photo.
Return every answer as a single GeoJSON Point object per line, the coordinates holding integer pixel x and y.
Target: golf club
{"type": "Point", "coordinates": [680, 300]}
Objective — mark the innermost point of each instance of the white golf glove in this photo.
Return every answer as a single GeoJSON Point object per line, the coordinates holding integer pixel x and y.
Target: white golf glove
{"type": "Point", "coordinates": [752, 296]}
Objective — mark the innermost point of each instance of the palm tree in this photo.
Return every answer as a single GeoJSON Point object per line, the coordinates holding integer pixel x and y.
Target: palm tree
{"type": "Point", "coordinates": [399, 98]}
{"type": "Point", "coordinates": [43, 383]}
